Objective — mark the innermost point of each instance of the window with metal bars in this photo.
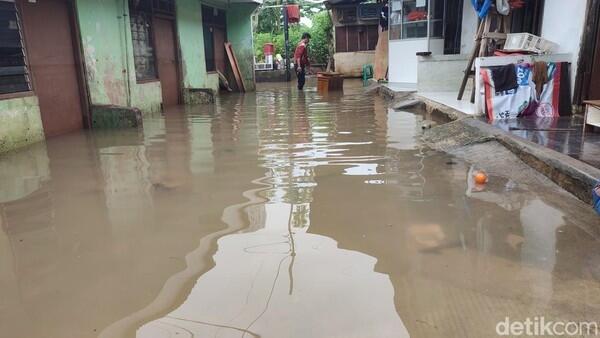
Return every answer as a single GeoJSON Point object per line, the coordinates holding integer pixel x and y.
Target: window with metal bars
{"type": "Point", "coordinates": [143, 40]}
{"type": "Point", "coordinates": [14, 73]}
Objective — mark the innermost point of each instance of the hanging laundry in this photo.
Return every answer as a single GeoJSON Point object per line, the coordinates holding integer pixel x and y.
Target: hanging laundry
{"type": "Point", "coordinates": [512, 103]}
{"type": "Point", "coordinates": [482, 7]}
{"type": "Point", "coordinates": [503, 7]}
{"type": "Point", "coordinates": [540, 76]}
{"type": "Point", "coordinates": [548, 102]}
{"type": "Point", "coordinates": [504, 77]}
{"type": "Point", "coordinates": [516, 4]}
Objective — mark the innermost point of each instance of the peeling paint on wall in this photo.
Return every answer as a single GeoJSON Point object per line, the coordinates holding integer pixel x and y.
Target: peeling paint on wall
{"type": "Point", "coordinates": [108, 55]}
{"type": "Point", "coordinates": [20, 123]}
{"type": "Point", "coordinates": [191, 40]}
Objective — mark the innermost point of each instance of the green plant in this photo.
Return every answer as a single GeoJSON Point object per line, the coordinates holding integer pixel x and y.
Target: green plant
{"type": "Point", "coordinates": [319, 50]}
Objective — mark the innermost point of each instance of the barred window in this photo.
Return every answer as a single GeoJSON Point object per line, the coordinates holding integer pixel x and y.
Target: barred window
{"type": "Point", "coordinates": [143, 43]}
{"type": "Point", "coordinates": [14, 73]}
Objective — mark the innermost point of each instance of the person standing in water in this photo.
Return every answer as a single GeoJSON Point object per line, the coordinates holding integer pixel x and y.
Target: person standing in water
{"type": "Point", "coordinates": [301, 63]}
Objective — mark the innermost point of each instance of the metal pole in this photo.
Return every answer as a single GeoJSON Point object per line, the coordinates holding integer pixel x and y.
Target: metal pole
{"type": "Point", "coordinates": [428, 26]}
{"type": "Point", "coordinates": [288, 75]}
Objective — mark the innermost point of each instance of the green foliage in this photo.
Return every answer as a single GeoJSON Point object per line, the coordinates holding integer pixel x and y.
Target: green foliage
{"type": "Point", "coordinates": [319, 45]}
{"type": "Point", "coordinates": [269, 20]}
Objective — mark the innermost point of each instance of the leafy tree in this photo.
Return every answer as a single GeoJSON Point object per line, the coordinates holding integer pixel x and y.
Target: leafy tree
{"type": "Point", "coordinates": [269, 20]}
{"type": "Point", "coordinates": [320, 45]}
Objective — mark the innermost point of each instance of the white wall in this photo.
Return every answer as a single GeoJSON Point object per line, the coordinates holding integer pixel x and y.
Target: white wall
{"type": "Point", "coordinates": [563, 23]}
{"type": "Point", "coordinates": [403, 60]}
{"type": "Point", "coordinates": [441, 72]}
{"type": "Point", "coordinates": [469, 28]}
{"type": "Point", "coordinates": [350, 64]}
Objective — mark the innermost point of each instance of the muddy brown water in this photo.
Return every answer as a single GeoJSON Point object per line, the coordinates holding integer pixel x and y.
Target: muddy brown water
{"type": "Point", "coordinates": [280, 214]}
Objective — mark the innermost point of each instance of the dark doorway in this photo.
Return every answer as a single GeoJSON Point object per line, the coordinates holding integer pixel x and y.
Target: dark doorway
{"type": "Point", "coordinates": [220, 37]}
{"type": "Point", "coordinates": [215, 35]}
{"type": "Point", "coordinates": [594, 85]}
{"type": "Point", "coordinates": [51, 54]}
{"type": "Point", "coordinates": [588, 71]}
{"type": "Point", "coordinates": [528, 19]}
{"type": "Point", "coordinates": [166, 60]}
{"type": "Point", "coordinates": [452, 26]}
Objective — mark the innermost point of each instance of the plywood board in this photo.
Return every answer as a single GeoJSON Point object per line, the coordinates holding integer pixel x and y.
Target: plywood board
{"type": "Point", "coordinates": [380, 66]}
{"type": "Point", "coordinates": [235, 67]}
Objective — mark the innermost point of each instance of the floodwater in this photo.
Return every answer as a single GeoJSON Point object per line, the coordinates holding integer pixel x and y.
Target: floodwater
{"type": "Point", "coordinates": [281, 214]}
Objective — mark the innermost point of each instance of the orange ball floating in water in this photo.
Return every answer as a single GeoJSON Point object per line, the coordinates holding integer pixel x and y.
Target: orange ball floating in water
{"type": "Point", "coordinates": [481, 178]}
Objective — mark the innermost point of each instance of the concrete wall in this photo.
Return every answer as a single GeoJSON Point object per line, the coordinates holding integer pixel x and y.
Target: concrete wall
{"type": "Point", "coordinates": [239, 33]}
{"type": "Point", "coordinates": [20, 123]}
{"type": "Point", "coordinates": [563, 23]}
{"type": "Point", "coordinates": [191, 41]}
{"type": "Point", "coordinates": [108, 54]}
{"type": "Point", "coordinates": [403, 61]}
{"type": "Point", "coordinates": [350, 64]}
{"type": "Point", "coordinates": [441, 72]}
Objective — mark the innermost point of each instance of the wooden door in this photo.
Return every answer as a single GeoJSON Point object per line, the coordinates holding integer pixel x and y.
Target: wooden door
{"type": "Point", "coordinates": [594, 84]}
{"type": "Point", "coordinates": [51, 51]}
{"type": "Point", "coordinates": [219, 38]}
{"type": "Point", "coordinates": [166, 60]}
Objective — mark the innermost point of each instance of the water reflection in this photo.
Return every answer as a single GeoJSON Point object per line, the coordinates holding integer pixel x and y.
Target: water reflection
{"type": "Point", "coordinates": [280, 214]}
{"type": "Point", "coordinates": [268, 280]}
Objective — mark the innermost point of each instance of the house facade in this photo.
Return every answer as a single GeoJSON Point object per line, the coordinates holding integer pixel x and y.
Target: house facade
{"type": "Point", "coordinates": [356, 27]}
{"type": "Point", "coordinates": [61, 61]}
{"type": "Point", "coordinates": [446, 29]}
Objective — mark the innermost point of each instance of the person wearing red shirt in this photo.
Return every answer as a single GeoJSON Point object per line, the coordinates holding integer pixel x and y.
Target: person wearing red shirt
{"type": "Point", "coordinates": [301, 63]}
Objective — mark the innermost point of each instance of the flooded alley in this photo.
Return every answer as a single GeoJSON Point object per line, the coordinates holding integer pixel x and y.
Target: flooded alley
{"type": "Point", "coordinates": [282, 214]}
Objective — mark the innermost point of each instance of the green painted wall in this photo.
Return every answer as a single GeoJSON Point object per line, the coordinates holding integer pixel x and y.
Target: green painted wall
{"type": "Point", "coordinates": [20, 123]}
{"type": "Point", "coordinates": [239, 33]}
{"type": "Point", "coordinates": [191, 41]}
{"type": "Point", "coordinates": [108, 53]}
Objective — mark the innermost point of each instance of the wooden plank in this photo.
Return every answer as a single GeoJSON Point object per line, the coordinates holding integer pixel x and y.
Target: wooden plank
{"type": "Point", "coordinates": [494, 35]}
{"type": "Point", "coordinates": [235, 67]}
{"type": "Point", "coordinates": [380, 67]}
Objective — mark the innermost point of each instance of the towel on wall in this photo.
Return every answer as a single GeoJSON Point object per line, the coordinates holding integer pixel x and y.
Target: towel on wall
{"type": "Point", "coordinates": [504, 77]}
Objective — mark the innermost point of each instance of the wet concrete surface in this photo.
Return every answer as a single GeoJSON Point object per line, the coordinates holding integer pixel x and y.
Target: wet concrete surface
{"type": "Point", "coordinates": [282, 214]}
{"type": "Point", "coordinates": [563, 134]}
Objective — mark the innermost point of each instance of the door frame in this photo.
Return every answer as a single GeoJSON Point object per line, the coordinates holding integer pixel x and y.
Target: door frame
{"type": "Point", "coordinates": [585, 65]}
{"type": "Point", "coordinates": [179, 71]}
{"type": "Point", "coordinates": [84, 96]}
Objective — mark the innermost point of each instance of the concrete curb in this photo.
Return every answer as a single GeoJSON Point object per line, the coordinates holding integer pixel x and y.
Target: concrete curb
{"type": "Point", "coordinates": [576, 177]}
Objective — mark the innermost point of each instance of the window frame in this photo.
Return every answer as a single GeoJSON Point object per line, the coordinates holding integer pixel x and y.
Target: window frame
{"type": "Point", "coordinates": [401, 31]}
{"type": "Point", "coordinates": [27, 75]}
{"type": "Point", "coordinates": [149, 16]}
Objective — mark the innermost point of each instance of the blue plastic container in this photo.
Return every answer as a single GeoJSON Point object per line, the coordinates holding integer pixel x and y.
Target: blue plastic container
{"type": "Point", "coordinates": [596, 196]}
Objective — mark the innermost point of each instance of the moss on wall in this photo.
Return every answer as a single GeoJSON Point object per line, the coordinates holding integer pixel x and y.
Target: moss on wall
{"type": "Point", "coordinates": [20, 123]}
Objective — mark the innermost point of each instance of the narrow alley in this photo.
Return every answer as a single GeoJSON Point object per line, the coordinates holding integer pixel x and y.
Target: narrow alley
{"type": "Point", "coordinates": [281, 213]}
